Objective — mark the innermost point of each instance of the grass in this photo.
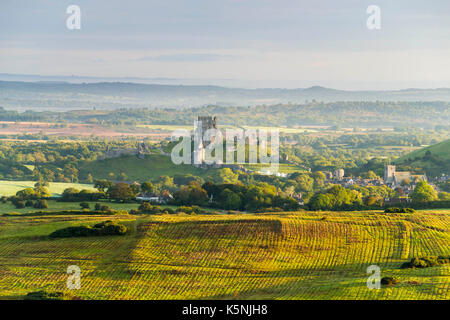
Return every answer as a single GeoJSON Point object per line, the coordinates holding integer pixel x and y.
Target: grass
{"type": "Point", "coordinates": [282, 167]}
{"type": "Point", "coordinates": [441, 149]}
{"type": "Point", "coordinates": [153, 166]}
{"type": "Point", "coordinates": [9, 188]}
{"type": "Point", "coordinates": [254, 256]}
{"type": "Point", "coordinates": [55, 206]}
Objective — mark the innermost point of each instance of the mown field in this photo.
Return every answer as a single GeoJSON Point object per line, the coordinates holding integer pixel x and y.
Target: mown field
{"type": "Point", "coordinates": [302, 255]}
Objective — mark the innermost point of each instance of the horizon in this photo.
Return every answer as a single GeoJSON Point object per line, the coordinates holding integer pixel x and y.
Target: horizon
{"type": "Point", "coordinates": [78, 79]}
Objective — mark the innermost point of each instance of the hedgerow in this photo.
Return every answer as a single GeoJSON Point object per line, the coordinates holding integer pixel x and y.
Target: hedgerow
{"type": "Point", "coordinates": [106, 228]}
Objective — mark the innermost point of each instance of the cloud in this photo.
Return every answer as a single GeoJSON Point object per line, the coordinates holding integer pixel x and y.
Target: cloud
{"type": "Point", "coordinates": [188, 57]}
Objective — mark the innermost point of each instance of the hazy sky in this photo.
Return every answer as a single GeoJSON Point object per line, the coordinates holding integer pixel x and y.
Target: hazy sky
{"type": "Point", "coordinates": [253, 43]}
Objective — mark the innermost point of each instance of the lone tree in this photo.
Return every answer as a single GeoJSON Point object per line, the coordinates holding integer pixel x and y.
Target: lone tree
{"type": "Point", "coordinates": [121, 192]}
{"type": "Point", "coordinates": [147, 187]}
{"type": "Point", "coordinates": [423, 192]}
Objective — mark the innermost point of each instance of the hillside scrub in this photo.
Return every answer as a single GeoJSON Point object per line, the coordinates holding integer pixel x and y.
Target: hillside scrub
{"type": "Point", "coordinates": [399, 210]}
{"type": "Point", "coordinates": [106, 228]}
{"type": "Point", "coordinates": [388, 281]}
{"type": "Point", "coordinates": [426, 262]}
{"type": "Point", "coordinates": [44, 295]}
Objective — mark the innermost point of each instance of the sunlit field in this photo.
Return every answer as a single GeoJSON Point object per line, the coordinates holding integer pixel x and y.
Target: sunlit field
{"type": "Point", "coordinates": [9, 188]}
{"type": "Point", "coordinates": [301, 255]}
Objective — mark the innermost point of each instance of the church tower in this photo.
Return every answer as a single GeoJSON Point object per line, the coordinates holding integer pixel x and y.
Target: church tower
{"type": "Point", "coordinates": [389, 173]}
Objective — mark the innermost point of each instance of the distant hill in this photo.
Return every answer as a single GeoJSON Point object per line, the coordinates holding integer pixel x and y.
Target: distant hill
{"type": "Point", "coordinates": [434, 160]}
{"type": "Point", "coordinates": [49, 95]}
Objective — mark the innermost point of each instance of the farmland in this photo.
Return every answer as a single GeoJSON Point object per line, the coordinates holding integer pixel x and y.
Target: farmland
{"type": "Point", "coordinates": [296, 255]}
{"type": "Point", "coordinates": [9, 188]}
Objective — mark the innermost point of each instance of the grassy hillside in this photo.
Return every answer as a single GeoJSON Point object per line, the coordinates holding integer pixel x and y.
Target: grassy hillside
{"type": "Point", "coordinates": [265, 256]}
{"type": "Point", "coordinates": [153, 166]}
{"type": "Point", "coordinates": [9, 188]}
{"type": "Point", "coordinates": [434, 160]}
{"type": "Point", "coordinates": [442, 150]}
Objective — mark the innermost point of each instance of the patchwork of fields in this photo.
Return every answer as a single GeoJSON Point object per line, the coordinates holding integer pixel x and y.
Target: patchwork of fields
{"type": "Point", "coordinates": [302, 255]}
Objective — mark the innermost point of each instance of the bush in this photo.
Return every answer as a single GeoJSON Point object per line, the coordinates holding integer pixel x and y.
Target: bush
{"type": "Point", "coordinates": [105, 208]}
{"type": "Point", "coordinates": [169, 210]}
{"type": "Point", "coordinates": [44, 295]}
{"type": "Point", "coordinates": [41, 204]}
{"type": "Point", "coordinates": [19, 204]}
{"type": "Point", "coordinates": [189, 210]}
{"type": "Point", "coordinates": [425, 262]}
{"type": "Point", "coordinates": [84, 205]}
{"type": "Point", "coordinates": [29, 203]}
{"type": "Point", "coordinates": [399, 210]}
{"type": "Point", "coordinates": [113, 229]}
{"type": "Point", "coordinates": [388, 281]}
{"type": "Point", "coordinates": [106, 228]}
{"type": "Point", "coordinates": [79, 231]}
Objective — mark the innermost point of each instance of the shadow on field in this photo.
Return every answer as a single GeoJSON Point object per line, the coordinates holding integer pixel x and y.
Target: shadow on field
{"type": "Point", "coordinates": [241, 228]}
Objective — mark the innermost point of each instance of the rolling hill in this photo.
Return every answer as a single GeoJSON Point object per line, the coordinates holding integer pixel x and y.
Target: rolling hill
{"type": "Point", "coordinates": [153, 166]}
{"type": "Point", "coordinates": [441, 150]}
{"type": "Point", "coordinates": [434, 159]}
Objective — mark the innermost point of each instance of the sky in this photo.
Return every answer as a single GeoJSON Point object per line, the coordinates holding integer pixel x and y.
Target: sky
{"type": "Point", "coordinates": [237, 43]}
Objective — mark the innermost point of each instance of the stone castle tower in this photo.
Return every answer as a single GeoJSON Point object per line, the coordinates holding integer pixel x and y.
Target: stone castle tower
{"type": "Point", "coordinates": [201, 141]}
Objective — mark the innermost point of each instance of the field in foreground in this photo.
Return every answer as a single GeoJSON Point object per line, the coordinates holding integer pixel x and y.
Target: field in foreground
{"type": "Point", "coordinates": [304, 255]}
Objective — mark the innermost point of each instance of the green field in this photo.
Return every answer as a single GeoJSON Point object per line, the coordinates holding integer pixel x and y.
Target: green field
{"type": "Point", "coordinates": [9, 188]}
{"type": "Point", "coordinates": [153, 166]}
{"type": "Point", "coordinates": [253, 256]}
{"type": "Point", "coordinates": [282, 167]}
{"type": "Point", "coordinates": [55, 206]}
{"type": "Point", "coordinates": [437, 163]}
{"type": "Point", "coordinates": [441, 149]}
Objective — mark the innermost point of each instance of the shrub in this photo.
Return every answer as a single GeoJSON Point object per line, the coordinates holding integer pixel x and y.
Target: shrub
{"type": "Point", "coordinates": [425, 262]}
{"type": "Point", "coordinates": [399, 210]}
{"type": "Point", "coordinates": [145, 207]}
{"type": "Point", "coordinates": [41, 204]}
{"type": "Point", "coordinates": [113, 229]}
{"type": "Point", "coordinates": [44, 295]}
{"type": "Point", "coordinates": [106, 228]}
{"type": "Point", "coordinates": [98, 207]}
{"type": "Point", "coordinates": [29, 203]}
{"type": "Point", "coordinates": [79, 231]}
{"type": "Point", "coordinates": [19, 204]}
{"type": "Point", "coordinates": [84, 205]}
{"type": "Point", "coordinates": [188, 210]}
{"type": "Point", "coordinates": [169, 210]}
{"type": "Point", "coordinates": [134, 211]}
{"type": "Point", "coordinates": [388, 281]}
